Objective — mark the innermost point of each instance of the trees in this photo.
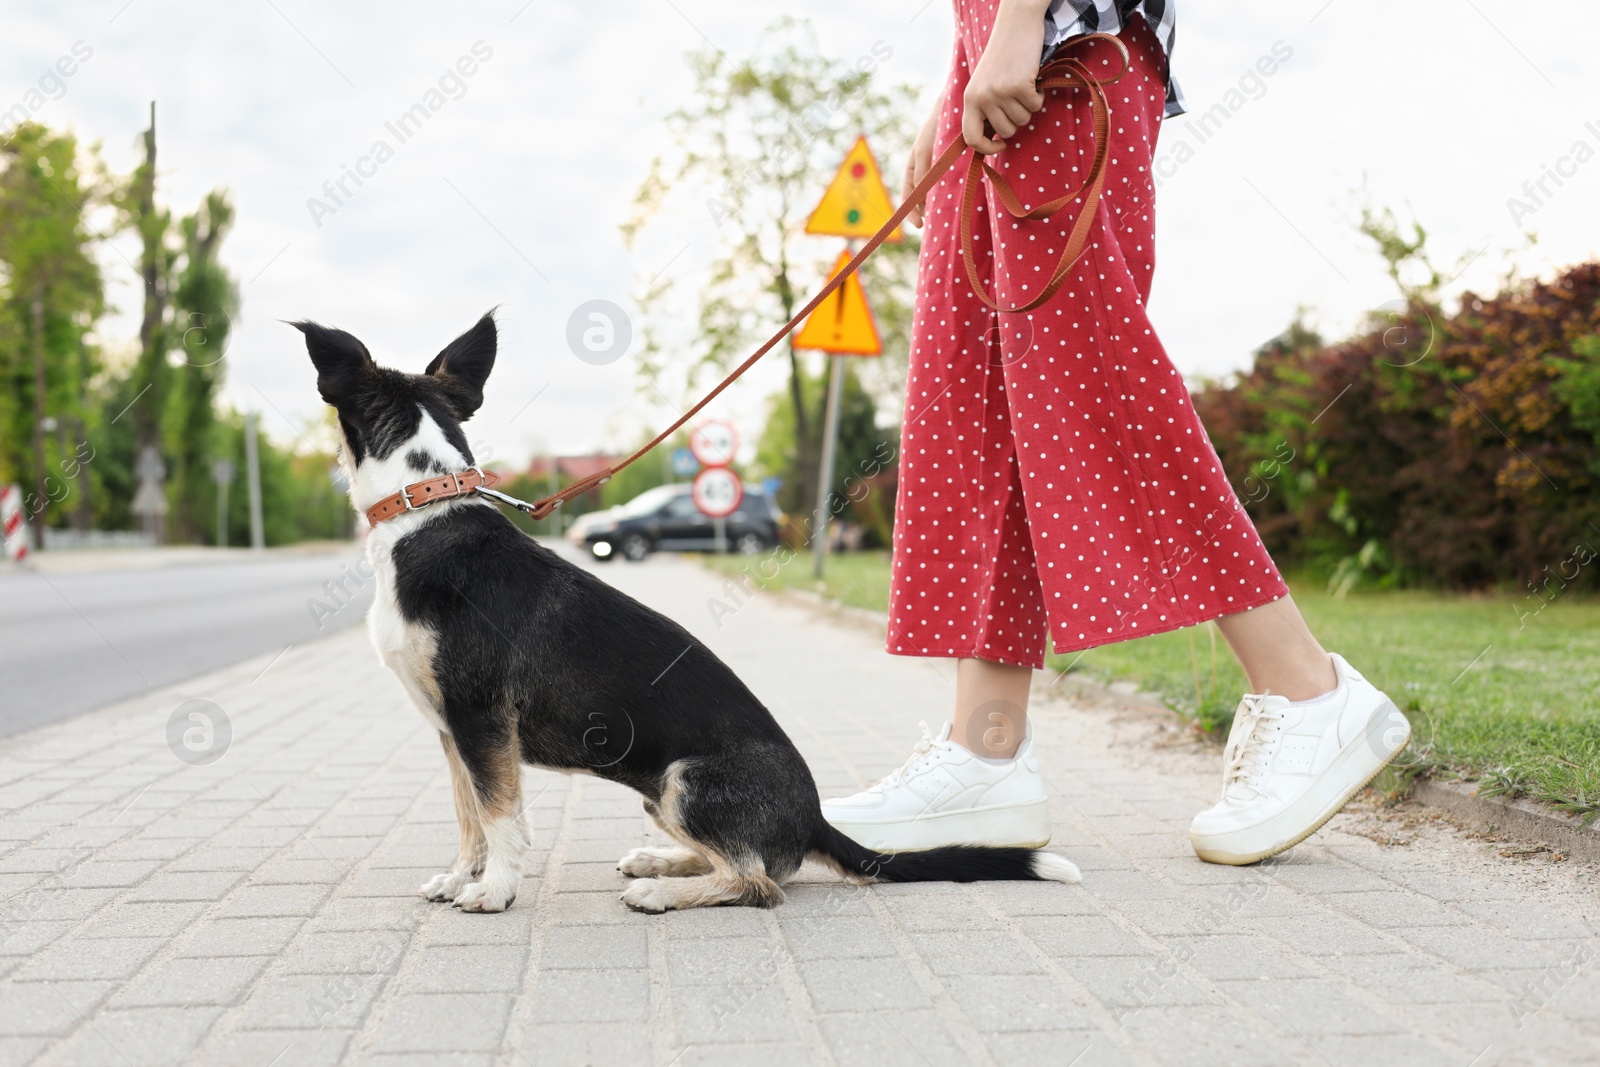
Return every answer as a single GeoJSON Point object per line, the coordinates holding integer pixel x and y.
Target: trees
{"type": "Point", "coordinates": [204, 301]}
{"type": "Point", "coordinates": [72, 424]}
{"type": "Point", "coordinates": [189, 304]}
{"type": "Point", "coordinates": [759, 139]}
{"type": "Point", "coordinates": [51, 294]}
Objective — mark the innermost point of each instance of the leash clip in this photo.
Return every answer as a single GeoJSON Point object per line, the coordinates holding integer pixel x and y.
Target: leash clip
{"type": "Point", "coordinates": [504, 498]}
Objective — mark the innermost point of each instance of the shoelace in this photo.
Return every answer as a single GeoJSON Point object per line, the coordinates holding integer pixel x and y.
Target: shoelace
{"type": "Point", "coordinates": [924, 747]}
{"type": "Point", "coordinates": [1245, 756]}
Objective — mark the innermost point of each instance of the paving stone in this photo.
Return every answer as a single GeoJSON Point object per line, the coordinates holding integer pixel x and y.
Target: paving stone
{"type": "Point", "coordinates": [708, 1014]}
{"type": "Point", "coordinates": [86, 959]}
{"type": "Point", "coordinates": [844, 937]}
{"type": "Point", "coordinates": [915, 1039]}
{"type": "Point", "coordinates": [724, 960]}
{"type": "Point", "coordinates": [186, 982]}
{"type": "Point", "coordinates": [267, 901]}
{"type": "Point", "coordinates": [20, 938]}
{"type": "Point", "coordinates": [239, 937]}
{"type": "Point", "coordinates": [594, 909]}
{"type": "Point", "coordinates": [594, 877]}
{"type": "Point", "coordinates": [862, 985]}
{"type": "Point", "coordinates": [352, 952]}
{"type": "Point", "coordinates": [595, 947]}
{"type": "Point", "coordinates": [1322, 934]}
{"type": "Point", "coordinates": [960, 952]}
{"type": "Point", "coordinates": [446, 1023]}
{"type": "Point", "coordinates": [712, 922]}
{"type": "Point", "coordinates": [258, 1048]}
{"type": "Point", "coordinates": [1015, 1002]}
{"type": "Point", "coordinates": [469, 969]}
{"type": "Point", "coordinates": [560, 1044]}
{"type": "Point", "coordinates": [54, 1007]}
{"type": "Point", "coordinates": [143, 919]}
{"type": "Point", "coordinates": [608, 996]}
{"type": "Point", "coordinates": [186, 885]}
{"type": "Point", "coordinates": [1480, 949]}
{"type": "Point", "coordinates": [1080, 935]}
{"type": "Point", "coordinates": [765, 1053]}
{"type": "Point", "coordinates": [140, 1036]}
{"type": "Point", "coordinates": [308, 1002]}
{"type": "Point", "coordinates": [1040, 898]}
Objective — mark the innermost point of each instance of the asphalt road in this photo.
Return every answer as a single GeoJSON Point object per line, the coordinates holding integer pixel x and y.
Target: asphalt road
{"type": "Point", "coordinates": [70, 642]}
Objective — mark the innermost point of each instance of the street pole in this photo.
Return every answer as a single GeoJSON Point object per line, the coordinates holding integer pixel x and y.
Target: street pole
{"type": "Point", "coordinates": [41, 482]}
{"type": "Point", "coordinates": [830, 445]}
{"type": "Point", "coordinates": [222, 514]}
{"type": "Point", "coordinates": [252, 465]}
{"type": "Point", "coordinates": [222, 473]}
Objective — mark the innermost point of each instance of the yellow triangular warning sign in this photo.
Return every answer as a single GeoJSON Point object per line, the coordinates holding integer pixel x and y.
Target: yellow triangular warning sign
{"type": "Point", "coordinates": [842, 324]}
{"type": "Point", "coordinates": [856, 202]}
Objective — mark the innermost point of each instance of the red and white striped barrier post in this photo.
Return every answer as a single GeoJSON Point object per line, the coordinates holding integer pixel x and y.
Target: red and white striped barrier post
{"type": "Point", "coordinates": [15, 523]}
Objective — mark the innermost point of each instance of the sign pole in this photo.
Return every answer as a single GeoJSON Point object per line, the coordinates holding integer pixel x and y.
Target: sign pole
{"type": "Point", "coordinates": [851, 207]}
{"type": "Point", "coordinates": [252, 475]}
{"type": "Point", "coordinates": [830, 445]}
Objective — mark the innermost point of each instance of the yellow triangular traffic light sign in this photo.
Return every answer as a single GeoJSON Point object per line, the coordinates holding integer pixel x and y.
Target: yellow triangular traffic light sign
{"type": "Point", "coordinates": [842, 324]}
{"type": "Point", "coordinates": [856, 202]}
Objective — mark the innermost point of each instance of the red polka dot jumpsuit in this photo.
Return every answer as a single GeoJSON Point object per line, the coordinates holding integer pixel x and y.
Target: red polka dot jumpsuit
{"type": "Point", "coordinates": [1053, 473]}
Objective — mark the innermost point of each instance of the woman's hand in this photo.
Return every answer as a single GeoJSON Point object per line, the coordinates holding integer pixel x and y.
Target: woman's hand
{"type": "Point", "coordinates": [921, 159]}
{"type": "Point", "coordinates": [1001, 89]}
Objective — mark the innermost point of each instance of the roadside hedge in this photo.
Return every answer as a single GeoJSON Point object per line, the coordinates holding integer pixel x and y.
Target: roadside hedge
{"type": "Point", "coordinates": [1457, 450]}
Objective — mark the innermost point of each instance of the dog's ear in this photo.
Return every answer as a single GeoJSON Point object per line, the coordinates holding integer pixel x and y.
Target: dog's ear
{"type": "Point", "coordinates": [464, 366]}
{"type": "Point", "coordinates": [344, 367]}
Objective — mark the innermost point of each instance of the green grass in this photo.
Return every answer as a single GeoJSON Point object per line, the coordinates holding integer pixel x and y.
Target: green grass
{"type": "Point", "coordinates": [1516, 708]}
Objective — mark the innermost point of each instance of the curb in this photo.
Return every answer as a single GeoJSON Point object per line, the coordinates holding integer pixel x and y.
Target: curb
{"type": "Point", "coordinates": [1523, 819]}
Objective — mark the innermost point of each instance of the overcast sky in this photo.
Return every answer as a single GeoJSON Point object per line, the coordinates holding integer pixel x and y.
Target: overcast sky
{"type": "Point", "coordinates": [512, 192]}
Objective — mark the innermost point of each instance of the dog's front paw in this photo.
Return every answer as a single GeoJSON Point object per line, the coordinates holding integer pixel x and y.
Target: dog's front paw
{"type": "Point", "coordinates": [445, 886]}
{"type": "Point", "coordinates": [642, 863]}
{"type": "Point", "coordinates": [480, 896]}
{"type": "Point", "coordinates": [650, 895]}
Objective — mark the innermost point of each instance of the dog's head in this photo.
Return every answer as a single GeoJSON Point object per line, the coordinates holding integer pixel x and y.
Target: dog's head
{"type": "Point", "coordinates": [395, 427]}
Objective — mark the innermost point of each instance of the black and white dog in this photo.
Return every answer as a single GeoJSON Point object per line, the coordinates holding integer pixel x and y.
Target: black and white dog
{"type": "Point", "coordinates": [516, 656]}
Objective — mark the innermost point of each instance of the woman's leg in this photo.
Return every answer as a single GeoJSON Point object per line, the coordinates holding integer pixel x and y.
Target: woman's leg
{"type": "Point", "coordinates": [1278, 651]}
{"type": "Point", "coordinates": [991, 713]}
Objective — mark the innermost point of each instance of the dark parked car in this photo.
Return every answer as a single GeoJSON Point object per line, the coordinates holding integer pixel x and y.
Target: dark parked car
{"type": "Point", "coordinates": [666, 519]}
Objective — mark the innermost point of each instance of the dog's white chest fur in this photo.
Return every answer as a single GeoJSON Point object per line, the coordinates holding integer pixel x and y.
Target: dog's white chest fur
{"type": "Point", "coordinates": [405, 647]}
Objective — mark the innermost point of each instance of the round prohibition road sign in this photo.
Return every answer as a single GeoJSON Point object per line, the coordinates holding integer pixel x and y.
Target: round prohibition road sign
{"type": "Point", "coordinates": [714, 443]}
{"type": "Point", "coordinates": [717, 492]}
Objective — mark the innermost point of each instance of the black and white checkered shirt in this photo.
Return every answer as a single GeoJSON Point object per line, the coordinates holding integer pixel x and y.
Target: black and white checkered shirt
{"type": "Point", "coordinates": [1071, 18]}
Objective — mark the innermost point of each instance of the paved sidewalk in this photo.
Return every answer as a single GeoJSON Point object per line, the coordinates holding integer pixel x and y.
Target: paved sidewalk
{"type": "Point", "coordinates": [261, 909]}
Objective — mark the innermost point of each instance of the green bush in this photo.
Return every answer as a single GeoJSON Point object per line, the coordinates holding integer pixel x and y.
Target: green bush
{"type": "Point", "coordinates": [1456, 450]}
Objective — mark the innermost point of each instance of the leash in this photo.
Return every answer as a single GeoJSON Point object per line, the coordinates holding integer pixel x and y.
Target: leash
{"type": "Point", "coordinates": [1063, 71]}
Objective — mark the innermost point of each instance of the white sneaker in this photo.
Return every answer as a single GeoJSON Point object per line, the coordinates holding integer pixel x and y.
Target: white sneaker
{"type": "Point", "coordinates": [1289, 768]}
{"type": "Point", "coordinates": [946, 795]}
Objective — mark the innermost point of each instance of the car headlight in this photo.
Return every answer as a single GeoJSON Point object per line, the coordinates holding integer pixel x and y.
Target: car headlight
{"type": "Point", "coordinates": [602, 528]}
{"type": "Point", "coordinates": [602, 549]}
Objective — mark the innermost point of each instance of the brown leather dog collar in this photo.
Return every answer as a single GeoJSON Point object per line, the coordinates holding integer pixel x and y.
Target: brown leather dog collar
{"type": "Point", "coordinates": [418, 495]}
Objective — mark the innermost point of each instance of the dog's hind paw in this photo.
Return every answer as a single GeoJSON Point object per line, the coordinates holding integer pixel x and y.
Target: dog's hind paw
{"type": "Point", "coordinates": [446, 886]}
{"type": "Point", "coordinates": [674, 861]}
{"type": "Point", "coordinates": [480, 896]}
{"type": "Point", "coordinates": [649, 895]}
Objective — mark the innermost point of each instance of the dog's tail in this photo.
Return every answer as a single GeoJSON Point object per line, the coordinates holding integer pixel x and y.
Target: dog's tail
{"type": "Point", "coordinates": [950, 863]}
